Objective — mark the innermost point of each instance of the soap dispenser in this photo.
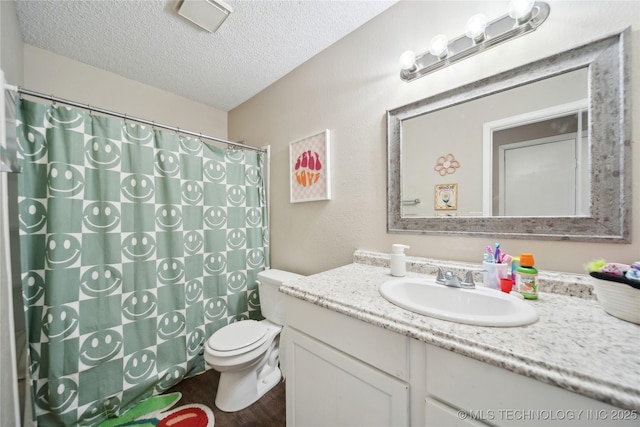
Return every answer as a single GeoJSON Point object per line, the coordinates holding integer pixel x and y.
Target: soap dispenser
{"type": "Point", "coordinates": [398, 260]}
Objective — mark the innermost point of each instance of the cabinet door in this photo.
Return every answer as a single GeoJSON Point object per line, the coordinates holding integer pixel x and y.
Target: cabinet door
{"type": "Point", "coordinates": [325, 387]}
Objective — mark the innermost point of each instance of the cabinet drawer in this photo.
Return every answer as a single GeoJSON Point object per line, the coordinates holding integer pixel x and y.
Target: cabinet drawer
{"type": "Point", "coordinates": [439, 414]}
{"type": "Point", "coordinates": [371, 344]}
{"type": "Point", "coordinates": [505, 398]}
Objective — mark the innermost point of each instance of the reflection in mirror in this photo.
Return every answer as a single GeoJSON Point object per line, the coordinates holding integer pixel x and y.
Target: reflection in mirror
{"type": "Point", "coordinates": [537, 164]}
{"type": "Point", "coordinates": [503, 118]}
{"type": "Point", "coordinates": [541, 151]}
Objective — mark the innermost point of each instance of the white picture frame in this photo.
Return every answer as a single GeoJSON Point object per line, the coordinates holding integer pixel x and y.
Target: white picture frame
{"type": "Point", "coordinates": [310, 168]}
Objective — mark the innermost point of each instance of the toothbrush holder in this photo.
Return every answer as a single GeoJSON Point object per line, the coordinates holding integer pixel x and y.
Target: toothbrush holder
{"type": "Point", "coordinates": [493, 272]}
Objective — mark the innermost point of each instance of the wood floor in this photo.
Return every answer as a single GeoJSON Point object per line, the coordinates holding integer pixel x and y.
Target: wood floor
{"type": "Point", "coordinates": [268, 411]}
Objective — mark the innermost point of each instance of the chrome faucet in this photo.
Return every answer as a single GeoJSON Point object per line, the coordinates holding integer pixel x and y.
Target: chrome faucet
{"type": "Point", "coordinates": [449, 279]}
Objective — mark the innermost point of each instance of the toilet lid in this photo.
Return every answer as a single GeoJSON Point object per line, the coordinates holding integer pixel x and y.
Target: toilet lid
{"type": "Point", "coordinates": [237, 335]}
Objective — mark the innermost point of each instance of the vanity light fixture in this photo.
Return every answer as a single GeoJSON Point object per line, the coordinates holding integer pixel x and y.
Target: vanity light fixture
{"type": "Point", "coordinates": [438, 46]}
{"type": "Point", "coordinates": [475, 28]}
{"type": "Point", "coordinates": [521, 10]}
{"type": "Point", "coordinates": [408, 61]}
{"type": "Point", "coordinates": [523, 17]}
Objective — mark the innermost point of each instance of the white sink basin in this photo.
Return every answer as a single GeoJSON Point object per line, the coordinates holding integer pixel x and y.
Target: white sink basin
{"type": "Point", "coordinates": [479, 306]}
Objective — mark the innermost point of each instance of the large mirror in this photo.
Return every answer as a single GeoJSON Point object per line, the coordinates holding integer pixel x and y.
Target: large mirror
{"type": "Point", "coordinates": [538, 152]}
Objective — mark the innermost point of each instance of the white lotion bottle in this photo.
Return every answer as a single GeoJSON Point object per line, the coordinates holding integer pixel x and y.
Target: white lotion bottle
{"type": "Point", "coordinates": [398, 260]}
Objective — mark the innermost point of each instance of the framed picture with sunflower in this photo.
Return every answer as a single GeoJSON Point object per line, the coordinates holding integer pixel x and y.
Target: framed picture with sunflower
{"type": "Point", "coordinates": [310, 169]}
{"type": "Point", "coordinates": [446, 197]}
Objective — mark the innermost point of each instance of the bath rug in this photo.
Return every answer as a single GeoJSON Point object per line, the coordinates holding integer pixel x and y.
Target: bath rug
{"type": "Point", "coordinates": [155, 411]}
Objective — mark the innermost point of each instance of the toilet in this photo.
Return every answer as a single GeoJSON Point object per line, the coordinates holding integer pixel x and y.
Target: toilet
{"type": "Point", "coordinates": [246, 353]}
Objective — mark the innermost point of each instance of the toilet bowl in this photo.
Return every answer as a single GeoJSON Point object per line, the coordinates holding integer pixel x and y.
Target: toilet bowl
{"type": "Point", "coordinates": [246, 353]}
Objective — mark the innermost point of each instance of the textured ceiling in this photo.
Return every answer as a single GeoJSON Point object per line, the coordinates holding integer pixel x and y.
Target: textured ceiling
{"type": "Point", "coordinates": [149, 42]}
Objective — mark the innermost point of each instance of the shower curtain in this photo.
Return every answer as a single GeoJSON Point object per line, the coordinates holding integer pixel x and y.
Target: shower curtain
{"type": "Point", "coordinates": [136, 245]}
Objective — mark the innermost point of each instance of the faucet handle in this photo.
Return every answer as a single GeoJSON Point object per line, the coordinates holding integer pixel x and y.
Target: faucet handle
{"type": "Point", "coordinates": [446, 277]}
{"type": "Point", "coordinates": [469, 281]}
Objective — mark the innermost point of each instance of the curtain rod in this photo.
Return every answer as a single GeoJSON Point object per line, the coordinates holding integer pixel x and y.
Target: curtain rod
{"type": "Point", "coordinates": [23, 91]}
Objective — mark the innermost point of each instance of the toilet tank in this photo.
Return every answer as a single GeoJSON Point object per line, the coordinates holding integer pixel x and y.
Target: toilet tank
{"type": "Point", "coordinates": [271, 303]}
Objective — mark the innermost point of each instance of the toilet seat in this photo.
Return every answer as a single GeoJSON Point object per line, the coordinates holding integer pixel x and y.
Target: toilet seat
{"type": "Point", "coordinates": [238, 338]}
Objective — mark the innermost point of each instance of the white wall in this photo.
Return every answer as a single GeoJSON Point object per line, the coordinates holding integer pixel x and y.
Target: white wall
{"type": "Point", "coordinates": [348, 88]}
{"type": "Point", "coordinates": [65, 78]}
{"type": "Point", "coordinates": [11, 43]}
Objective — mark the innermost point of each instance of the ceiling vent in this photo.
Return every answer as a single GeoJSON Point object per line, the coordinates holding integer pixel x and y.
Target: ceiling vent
{"type": "Point", "coordinates": [207, 14]}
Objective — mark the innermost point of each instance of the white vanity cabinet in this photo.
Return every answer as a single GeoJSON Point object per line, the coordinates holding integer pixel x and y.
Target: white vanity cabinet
{"type": "Point", "coordinates": [465, 391]}
{"type": "Point", "coordinates": [341, 371]}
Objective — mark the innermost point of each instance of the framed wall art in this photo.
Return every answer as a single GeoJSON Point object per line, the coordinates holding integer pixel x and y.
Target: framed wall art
{"type": "Point", "coordinates": [446, 197]}
{"type": "Point", "coordinates": [310, 168]}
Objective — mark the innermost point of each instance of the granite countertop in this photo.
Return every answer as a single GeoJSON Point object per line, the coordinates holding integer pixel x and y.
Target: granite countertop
{"type": "Point", "coordinates": [574, 344]}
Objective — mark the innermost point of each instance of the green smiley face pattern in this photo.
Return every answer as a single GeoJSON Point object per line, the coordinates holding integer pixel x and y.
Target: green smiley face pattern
{"type": "Point", "coordinates": [136, 245]}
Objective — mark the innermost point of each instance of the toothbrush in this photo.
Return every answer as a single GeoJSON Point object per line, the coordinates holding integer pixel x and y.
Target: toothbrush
{"type": "Point", "coordinates": [496, 254]}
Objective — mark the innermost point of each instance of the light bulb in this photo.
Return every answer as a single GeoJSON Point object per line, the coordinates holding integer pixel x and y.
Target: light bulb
{"type": "Point", "coordinates": [408, 61]}
{"type": "Point", "coordinates": [520, 10]}
{"type": "Point", "coordinates": [438, 46]}
{"type": "Point", "coordinates": [475, 27]}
